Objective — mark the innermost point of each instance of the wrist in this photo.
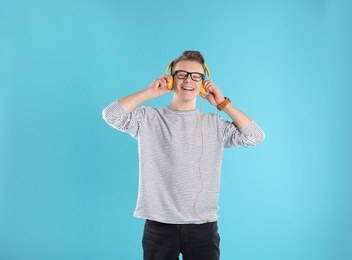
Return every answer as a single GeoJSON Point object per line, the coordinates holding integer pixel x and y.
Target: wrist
{"type": "Point", "coordinates": [223, 104]}
{"type": "Point", "coordinates": [149, 93]}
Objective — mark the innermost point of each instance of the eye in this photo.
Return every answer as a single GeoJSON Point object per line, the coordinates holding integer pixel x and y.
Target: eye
{"type": "Point", "coordinates": [197, 77]}
{"type": "Point", "coordinates": [182, 74]}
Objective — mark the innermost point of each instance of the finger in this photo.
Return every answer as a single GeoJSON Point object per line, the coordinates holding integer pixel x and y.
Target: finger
{"type": "Point", "coordinates": [162, 82]}
{"type": "Point", "coordinates": [165, 77]}
{"type": "Point", "coordinates": [158, 84]}
{"type": "Point", "coordinates": [204, 96]}
{"type": "Point", "coordinates": [207, 82]}
{"type": "Point", "coordinates": [210, 89]}
{"type": "Point", "coordinates": [209, 86]}
{"type": "Point", "coordinates": [167, 91]}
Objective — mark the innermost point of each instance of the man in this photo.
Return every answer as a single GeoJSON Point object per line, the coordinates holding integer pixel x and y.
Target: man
{"type": "Point", "coordinates": [180, 154]}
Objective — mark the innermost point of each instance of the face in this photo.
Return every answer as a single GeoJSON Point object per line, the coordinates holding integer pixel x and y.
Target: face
{"type": "Point", "coordinates": [188, 86]}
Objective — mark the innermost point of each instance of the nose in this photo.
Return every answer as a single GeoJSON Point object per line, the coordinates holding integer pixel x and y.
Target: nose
{"type": "Point", "coordinates": [187, 78]}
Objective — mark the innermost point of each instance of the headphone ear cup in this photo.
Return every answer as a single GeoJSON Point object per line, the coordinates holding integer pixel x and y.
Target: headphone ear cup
{"type": "Point", "coordinates": [203, 90]}
{"type": "Point", "coordinates": [170, 84]}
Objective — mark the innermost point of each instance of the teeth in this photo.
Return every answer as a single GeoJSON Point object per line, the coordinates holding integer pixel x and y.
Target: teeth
{"type": "Point", "coordinates": [185, 88]}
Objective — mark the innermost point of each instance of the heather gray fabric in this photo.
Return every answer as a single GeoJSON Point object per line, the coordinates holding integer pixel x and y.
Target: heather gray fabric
{"type": "Point", "coordinates": [180, 157]}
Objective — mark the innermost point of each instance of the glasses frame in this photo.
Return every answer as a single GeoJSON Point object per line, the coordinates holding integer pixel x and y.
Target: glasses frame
{"type": "Point", "coordinates": [189, 73]}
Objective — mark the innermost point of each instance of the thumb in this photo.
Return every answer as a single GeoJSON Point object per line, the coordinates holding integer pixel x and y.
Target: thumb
{"type": "Point", "coordinates": [203, 95]}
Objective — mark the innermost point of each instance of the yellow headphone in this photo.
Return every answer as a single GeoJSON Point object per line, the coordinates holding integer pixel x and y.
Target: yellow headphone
{"type": "Point", "coordinates": [170, 85]}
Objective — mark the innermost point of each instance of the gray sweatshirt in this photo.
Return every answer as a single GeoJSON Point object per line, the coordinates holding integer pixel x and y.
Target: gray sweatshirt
{"type": "Point", "coordinates": [180, 157]}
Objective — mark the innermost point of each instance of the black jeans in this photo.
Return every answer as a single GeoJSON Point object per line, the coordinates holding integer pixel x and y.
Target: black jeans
{"type": "Point", "coordinates": [166, 241]}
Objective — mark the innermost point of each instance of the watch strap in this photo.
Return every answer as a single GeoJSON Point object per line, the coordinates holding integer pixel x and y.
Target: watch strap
{"type": "Point", "coordinates": [223, 104]}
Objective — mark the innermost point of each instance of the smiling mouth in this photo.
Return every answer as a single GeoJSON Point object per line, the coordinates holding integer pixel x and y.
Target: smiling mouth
{"type": "Point", "coordinates": [188, 88]}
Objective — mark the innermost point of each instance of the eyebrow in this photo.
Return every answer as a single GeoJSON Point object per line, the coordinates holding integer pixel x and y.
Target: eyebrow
{"type": "Point", "coordinates": [190, 71]}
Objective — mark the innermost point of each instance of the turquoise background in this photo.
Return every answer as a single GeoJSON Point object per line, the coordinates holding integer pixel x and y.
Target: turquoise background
{"type": "Point", "coordinates": [68, 182]}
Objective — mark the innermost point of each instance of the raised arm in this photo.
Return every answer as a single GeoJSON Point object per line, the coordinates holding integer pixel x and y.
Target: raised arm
{"type": "Point", "coordinates": [156, 89]}
{"type": "Point", "coordinates": [215, 97]}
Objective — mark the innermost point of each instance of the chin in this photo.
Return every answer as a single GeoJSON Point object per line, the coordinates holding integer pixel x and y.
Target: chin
{"type": "Point", "coordinates": [188, 96]}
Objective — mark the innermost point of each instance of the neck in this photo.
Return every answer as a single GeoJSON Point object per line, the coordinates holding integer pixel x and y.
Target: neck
{"type": "Point", "coordinates": [182, 105]}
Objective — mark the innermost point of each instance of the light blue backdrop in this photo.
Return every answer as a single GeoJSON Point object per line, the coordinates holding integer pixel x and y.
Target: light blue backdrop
{"type": "Point", "coordinates": [68, 182]}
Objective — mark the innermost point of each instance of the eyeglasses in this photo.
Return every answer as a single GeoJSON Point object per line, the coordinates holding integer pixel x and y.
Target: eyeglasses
{"type": "Point", "coordinates": [195, 76]}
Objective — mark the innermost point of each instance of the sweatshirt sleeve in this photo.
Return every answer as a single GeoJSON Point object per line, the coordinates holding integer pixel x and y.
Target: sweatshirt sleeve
{"type": "Point", "coordinates": [250, 135]}
{"type": "Point", "coordinates": [119, 118]}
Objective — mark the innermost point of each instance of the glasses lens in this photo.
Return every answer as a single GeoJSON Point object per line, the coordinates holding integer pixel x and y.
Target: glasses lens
{"type": "Point", "coordinates": [181, 74]}
{"type": "Point", "coordinates": [197, 76]}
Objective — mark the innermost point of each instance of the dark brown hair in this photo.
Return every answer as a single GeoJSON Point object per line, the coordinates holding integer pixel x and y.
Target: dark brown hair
{"type": "Point", "coordinates": [191, 56]}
